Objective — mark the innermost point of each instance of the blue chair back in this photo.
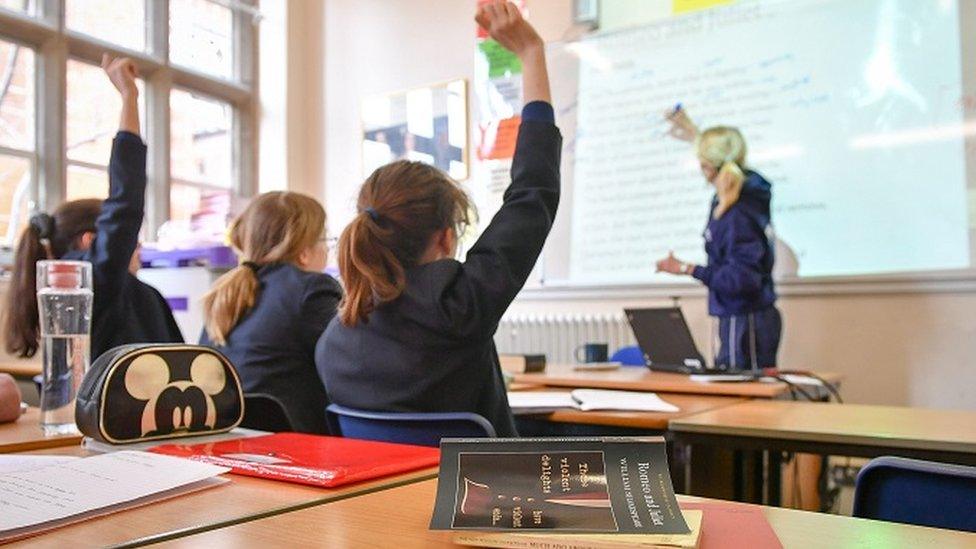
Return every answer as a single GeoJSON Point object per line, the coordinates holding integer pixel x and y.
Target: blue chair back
{"type": "Point", "coordinates": [917, 492]}
{"type": "Point", "coordinates": [629, 356]}
{"type": "Point", "coordinates": [422, 429]}
{"type": "Point", "coordinates": [265, 413]}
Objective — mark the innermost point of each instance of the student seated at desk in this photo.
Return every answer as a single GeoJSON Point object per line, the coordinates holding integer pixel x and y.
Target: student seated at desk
{"type": "Point", "coordinates": [9, 399]}
{"type": "Point", "coordinates": [104, 233]}
{"type": "Point", "coordinates": [267, 314]}
{"type": "Point", "coordinates": [414, 333]}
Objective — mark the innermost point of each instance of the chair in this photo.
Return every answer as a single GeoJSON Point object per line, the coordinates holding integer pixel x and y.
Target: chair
{"type": "Point", "coordinates": [912, 491]}
{"type": "Point", "coordinates": [265, 413]}
{"type": "Point", "coordinates": [422, 429]}
{"type": "Point", "coordinates": [629, 356]}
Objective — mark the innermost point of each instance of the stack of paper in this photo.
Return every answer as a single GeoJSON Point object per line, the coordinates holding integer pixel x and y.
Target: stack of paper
{"type": "Point", "coordinates": [588, 399]}
{"type": "Point", "coordinates": [49, 497]}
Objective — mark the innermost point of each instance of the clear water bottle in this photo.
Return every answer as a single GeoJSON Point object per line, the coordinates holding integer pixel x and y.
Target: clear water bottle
{"type": "Point", "coordinates": [64, 304]}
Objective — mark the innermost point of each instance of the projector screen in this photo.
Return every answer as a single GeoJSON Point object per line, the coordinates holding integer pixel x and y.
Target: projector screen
{"type": "Point", "coordinates": [860, 113]}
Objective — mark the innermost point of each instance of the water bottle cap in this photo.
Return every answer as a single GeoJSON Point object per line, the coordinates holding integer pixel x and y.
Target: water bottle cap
{"type": "Point", "coordinates": [63, 275]}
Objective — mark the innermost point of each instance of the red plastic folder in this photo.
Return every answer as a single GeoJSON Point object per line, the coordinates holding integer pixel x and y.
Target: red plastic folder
{"type": "Point", "coordinates": [308, 459]}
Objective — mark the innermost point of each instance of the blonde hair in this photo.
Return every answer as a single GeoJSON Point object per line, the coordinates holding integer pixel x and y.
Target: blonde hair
{"type": "Point", "coordinates": [725, 149]}
{"type": "Point", "coordinates": [276, 227]}
{"type": "Point", "coordinates": [401, 205]}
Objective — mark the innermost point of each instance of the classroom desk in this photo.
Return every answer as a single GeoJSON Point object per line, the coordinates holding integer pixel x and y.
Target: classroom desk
{"type": "Point", "coordinates": [835, 429]}
{"type": "Point", "coordinates": [20, 368]}
{"type": "Point", "coordinates": [241, 499]}
{"type": "Point", "coordinates": [399, 518]}
{"type": "Point", "coordinates": [638, 378]}
{"type": "Point", "coordinates": [25, 435]}
{"type": "Point", "coordinates": [651, 421]}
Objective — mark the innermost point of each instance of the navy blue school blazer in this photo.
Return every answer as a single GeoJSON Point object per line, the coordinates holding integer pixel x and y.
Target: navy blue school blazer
{"type": "Point", "coordinates": [273, 345]}
{"type": "Point", "coordinates": [431, 349]}
{"type": "Point", "coordinates": [124, 309]}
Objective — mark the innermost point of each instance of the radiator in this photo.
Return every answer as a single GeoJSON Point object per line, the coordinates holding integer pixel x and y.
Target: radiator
{"type": "Point", "coordinates": [557, 336]}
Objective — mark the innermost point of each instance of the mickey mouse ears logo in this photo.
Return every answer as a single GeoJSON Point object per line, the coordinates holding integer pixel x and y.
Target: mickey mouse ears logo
{"type": "Point", "coordinates": [148, 376]}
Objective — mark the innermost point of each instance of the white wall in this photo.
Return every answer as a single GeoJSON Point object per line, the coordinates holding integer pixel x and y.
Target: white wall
{"type": "Point", "coordinates": [902, 349]}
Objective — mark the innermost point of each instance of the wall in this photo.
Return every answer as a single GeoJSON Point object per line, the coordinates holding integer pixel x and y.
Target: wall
{"type": "Point", "coordinates": [905, 349]}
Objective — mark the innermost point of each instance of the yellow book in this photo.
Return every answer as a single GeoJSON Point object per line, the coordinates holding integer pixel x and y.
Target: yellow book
{"type": "Point", "coordinates": [540, 540]}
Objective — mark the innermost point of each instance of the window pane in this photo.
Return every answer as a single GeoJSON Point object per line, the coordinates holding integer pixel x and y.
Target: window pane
{"type": "Point", "coordinates": [25, 6]}
{"type": "Point", "coordinates": [16, 96]}
{"type": "Point", "coordinates": [15, 179]}
{"type": "Point", "coordinates": [201, 142]}
{"type": "Point", "coordinates": [93, 113]}
{"type": "Point", "coordinates": [85, 182]}
{"type": "Point", "coordinates": [206, 210]}
{"type": "Point", "coordinates": [121, 22]}
{"type": "Point", "coordinates": [200, 34]}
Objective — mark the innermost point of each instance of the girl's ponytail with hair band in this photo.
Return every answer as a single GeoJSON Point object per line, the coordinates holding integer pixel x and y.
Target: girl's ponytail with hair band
{"type": "Point", "coordinates": [372, 214]}
{"type": "Point", "coordinates": [44, 225]}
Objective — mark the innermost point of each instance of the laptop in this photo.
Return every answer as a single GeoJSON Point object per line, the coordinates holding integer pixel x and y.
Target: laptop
{"type": "Point", "coordinates": [665, 341]}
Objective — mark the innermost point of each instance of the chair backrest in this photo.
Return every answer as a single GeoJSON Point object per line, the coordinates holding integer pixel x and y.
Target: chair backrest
{"type": "Point", "coordinates": [629, 356]}
{"type": "Point", "coordinates": [422, 429]}
{"type": "Point", "coordinates": [265, 413]}
{"type": "Point", "coordinates": [923, 493]}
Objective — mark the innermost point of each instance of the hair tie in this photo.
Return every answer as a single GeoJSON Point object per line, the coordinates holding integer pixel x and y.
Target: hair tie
{"type": "Point", "coordinates": [43, 224]}
{"type": "Point", "coordinates": [251, 265]}
{"type": "Point", "coordinates": [372, 214]}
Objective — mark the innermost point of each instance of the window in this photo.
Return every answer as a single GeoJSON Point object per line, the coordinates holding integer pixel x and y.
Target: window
{"type": "Point", "coordinates": [200, 36]}
{"type": "Point", "coordinates": [121, 22]}
{"type": "Point", "coordinates": [195, 99]}
{"type": "Point", "coordinates": [16, 137]}
{"type": "Point", "coordinates": [201, 153]}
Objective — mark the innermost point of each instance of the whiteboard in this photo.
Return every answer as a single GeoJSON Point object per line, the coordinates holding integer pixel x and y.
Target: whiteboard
{"type": "Point", "coordinates": [860, 113]}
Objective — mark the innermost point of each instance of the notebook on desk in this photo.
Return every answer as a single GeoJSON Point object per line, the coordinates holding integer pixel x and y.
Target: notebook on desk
{"type": "Point", "coordinates": [665, 341]}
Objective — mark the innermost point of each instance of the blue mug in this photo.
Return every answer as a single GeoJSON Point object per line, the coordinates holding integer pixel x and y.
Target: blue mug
{"type": "Point", "coordinates": [592, 352]}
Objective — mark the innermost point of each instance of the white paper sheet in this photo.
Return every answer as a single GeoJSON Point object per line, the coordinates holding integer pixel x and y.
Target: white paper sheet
{"type": "Point", "coordinates": [32, 499]}
{"type": "Point", "coordinates": [17, 463]}
{"type": "Point", "coordinates": [589, 399]}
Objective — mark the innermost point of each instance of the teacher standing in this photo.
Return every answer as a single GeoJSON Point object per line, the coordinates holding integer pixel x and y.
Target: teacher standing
{"type": "Point", "coordinates": [739, 245]}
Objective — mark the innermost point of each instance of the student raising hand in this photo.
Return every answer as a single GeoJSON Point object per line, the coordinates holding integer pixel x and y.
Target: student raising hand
{"type": "Point", "coordinates": [122, 72]}
{"type": "Point", "coordinates": [503, 21]}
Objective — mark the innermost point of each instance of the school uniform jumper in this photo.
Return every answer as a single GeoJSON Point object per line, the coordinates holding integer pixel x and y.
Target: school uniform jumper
{"type": "Point", "coordinates": [124, 310]}
{"type": "Point", "coordinates": [273, 345]}
{"type": "Point", "coordinates": [739, 277]}
{"type": "Point", "coordinates": [431, 349]}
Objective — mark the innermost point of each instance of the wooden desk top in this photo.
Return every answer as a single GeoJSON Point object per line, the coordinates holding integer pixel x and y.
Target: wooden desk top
{"type": "Point", "coordinates": [888, 426]}
{"type": "Point", "coordinates": [637, 378]}
{"type": "Point", "coordinates": [21, 368]}
{"type": "Point", "coordinates": [243, 498]}
{"type": "Point", "coordinates": [399, 518]}
{"type": "Point", "coordinates": [25, 435]}
{"type": "Point", "coordinates": [658, 421]}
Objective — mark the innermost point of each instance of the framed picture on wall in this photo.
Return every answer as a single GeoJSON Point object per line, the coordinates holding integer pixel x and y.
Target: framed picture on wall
{"type": "Point", "coordinates": [427, 124]}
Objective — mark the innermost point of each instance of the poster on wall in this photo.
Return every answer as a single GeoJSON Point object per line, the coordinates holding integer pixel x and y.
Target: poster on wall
{"type": "Point", "coordinates": [427, 124]}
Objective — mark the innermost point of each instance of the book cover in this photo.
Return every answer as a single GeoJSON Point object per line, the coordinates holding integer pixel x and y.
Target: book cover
{"type": "Point", "coordinates": [522, 364]}
{"type": "Point", "coordinates": [308, 459]}
{"type": "Point", "coordinates": [588, 484]}
{"type": "Point", "coordinates": [552, 540]}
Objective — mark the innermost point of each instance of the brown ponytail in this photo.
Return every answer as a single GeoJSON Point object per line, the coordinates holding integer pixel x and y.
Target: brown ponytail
{"type": "Point", "coordinates": [401, 206]}
{"type": "Point", "coordinates": [275, 227]}
{"type": "Point", "coordinates": [46, 237]}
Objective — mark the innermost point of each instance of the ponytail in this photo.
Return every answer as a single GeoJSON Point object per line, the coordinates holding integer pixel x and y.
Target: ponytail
{"type": "Point", "coordinates": [728, 187]}
{"type": "Point", "coordinates": [370, 270]}
{"type": "Point", "coordinates": [401, 205]}
{"type": "Point", "coordinates": [276, 227]}
{"type": "Point", "coordinates": [21, 326]}
{"type": "Point", "coordinates": [724, 148]}
{"type": "Point", "coordinates": [232, 295]}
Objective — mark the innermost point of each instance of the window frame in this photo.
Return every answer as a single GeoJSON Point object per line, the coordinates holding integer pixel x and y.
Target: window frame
{"type": "Point", "coordinates": [54, 44]}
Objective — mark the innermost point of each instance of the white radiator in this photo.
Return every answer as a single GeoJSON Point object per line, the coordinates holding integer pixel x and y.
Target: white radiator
{"type": "Point", "coordinates": [557, 336]}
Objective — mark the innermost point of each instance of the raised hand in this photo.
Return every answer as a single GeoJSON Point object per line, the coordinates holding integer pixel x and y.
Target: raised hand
{"type": "Point", "coordinates": [682, 127]}
{"type": "Point", "coordinates": [122, 72]}
{"type": "Point", "coordinates": [505, 24]}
